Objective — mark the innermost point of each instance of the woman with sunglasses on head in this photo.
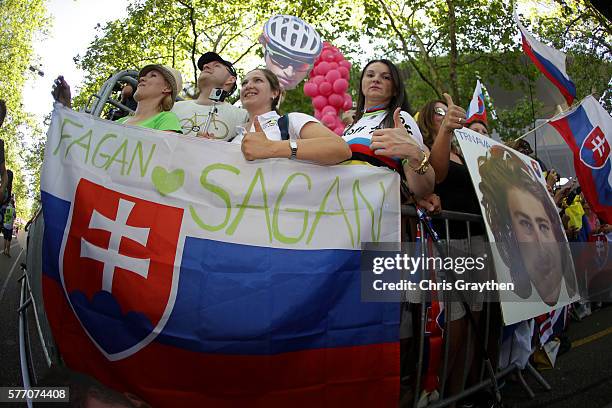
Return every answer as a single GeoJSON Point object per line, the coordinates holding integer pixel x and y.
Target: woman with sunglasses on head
{"type": "Point", "coordinates": [308, 139]}
{"type": "Point", "coordinates": [383, 133]}
{"type": "Point", "coordinates": [438, 120]}
{"type": "Point", "coordinates": [158, 87]}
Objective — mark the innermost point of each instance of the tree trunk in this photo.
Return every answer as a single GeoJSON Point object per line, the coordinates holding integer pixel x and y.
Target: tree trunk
{"type": "Point", "coordinates": [452, 33]}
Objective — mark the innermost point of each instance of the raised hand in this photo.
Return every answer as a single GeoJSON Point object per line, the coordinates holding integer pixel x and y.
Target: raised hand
{"type": "Point", "coordinates": [396, 142]}
{"type": "Point", "coordinates": [61, 92]}
{"type": "Point", "coordinates": [455, 116]}
{"type": "Point", "coordinates": [256, 145]}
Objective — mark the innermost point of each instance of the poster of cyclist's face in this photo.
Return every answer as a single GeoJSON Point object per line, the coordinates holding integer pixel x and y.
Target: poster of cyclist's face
{"type": "Point", "coordinates": [291, 46]}
{"type": "Point", "coordinates": [530, 249]}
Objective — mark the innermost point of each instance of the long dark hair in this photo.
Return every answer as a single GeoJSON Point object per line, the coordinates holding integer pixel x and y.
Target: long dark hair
{"type": "Point", "coordinates": [398, 100]}
{"type": "Point", "coordinates": [425, 121]}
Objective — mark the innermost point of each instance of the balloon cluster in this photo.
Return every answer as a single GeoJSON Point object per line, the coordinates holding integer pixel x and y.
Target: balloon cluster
{"type": "Point", "coordinates": [327, 87]}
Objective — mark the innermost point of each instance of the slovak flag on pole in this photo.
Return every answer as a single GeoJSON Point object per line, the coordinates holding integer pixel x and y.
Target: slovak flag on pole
{"type": "Point", "coordinates": [477, 109]}
{"type": "Point", "coordinates": [550, 62]}
{"type": "Point", "coordinates": [587, 129]}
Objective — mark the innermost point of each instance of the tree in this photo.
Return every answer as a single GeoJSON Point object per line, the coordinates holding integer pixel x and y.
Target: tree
{"type": "Point", "coordinates": [22, 20]}
{"type": "Point", "coordinates": [177, 32]}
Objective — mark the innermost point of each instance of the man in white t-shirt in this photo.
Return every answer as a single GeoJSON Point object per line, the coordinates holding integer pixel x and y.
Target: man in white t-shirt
{"type": "Point", "coordinates": [215, 73]}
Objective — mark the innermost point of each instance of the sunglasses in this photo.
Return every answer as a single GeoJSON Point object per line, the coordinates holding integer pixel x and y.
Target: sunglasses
{"type": "Point", "coordinates": [439, 111]}
{"type": "Point", "coordinates": [284, 61]}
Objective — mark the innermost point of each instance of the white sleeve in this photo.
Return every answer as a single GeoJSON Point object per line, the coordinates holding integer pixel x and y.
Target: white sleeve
{"type": "Point", "coordinates": [412, 127]}
{"type": "Point", "coordinates": [297, 121]}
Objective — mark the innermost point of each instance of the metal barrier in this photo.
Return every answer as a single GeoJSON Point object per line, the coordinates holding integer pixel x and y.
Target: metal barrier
{"type": "Point", "coordinates": [30, 299]}
{"type": "Point", "coordinates": [485, 380]}
{"type": "Point", "coordinates": [96, 102]}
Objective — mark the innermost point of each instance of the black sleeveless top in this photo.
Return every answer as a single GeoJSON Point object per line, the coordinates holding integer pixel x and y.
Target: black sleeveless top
{"type": "Point", "coordinates": [457, 194]}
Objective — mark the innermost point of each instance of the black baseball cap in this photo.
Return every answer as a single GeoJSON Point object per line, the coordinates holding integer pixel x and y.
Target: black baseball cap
{"type": "Point", "coordinates": [213, 56]}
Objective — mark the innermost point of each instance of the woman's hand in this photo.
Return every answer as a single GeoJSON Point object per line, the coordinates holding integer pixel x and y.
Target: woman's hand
{"type": "Point", "coordinates": [454, 118]}
{"type": "Point", "coordinates": [396, 142]}
{"type": "Point", "coordinates": [256, 145]}
{"type": "Point", "coordinates": [431, 203]}
{"type": "Point", "coordinates": [61, 92]}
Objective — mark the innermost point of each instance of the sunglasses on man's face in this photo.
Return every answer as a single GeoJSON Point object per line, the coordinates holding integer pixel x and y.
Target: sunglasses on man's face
{"type": "Point", "coordinates": [439, 111]}
{"type": "Point", "coordinates": [284, 61]}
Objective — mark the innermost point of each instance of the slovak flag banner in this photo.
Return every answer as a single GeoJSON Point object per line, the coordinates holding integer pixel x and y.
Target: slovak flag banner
{"type": "Point", "coordinates": [177, 271]}
{"type": "Point", "coordinates": [477, 109]}
{"type": "Point", "coordinates": [587, 130]}
{"type": "Point", "coordinates": [550, 61]}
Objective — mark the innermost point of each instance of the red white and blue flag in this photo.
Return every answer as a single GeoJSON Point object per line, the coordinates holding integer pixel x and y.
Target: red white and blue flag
{"type": "Point", "coordinates": [477, 109]}
{"type": "Point", "coordinates": [587, 130]}
{"type": "Point", "coordinates": [551, 324]}
{"type": "Point", "coordinates": [175, 270]}
{"type": "Point", "coordinates": [550, 61]}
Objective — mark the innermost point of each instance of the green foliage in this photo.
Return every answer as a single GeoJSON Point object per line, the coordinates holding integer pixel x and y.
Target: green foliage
{"type": "Point", "coordinates": [21, 21]}
{"type": "Point", "coordinates": [439, 46]}
{"type": "Point", "coordinates": [511, 123]}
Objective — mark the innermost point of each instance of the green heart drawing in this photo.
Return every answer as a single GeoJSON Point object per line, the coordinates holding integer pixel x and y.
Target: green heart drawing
{"type": "Point", "coordinates": [167, 182]}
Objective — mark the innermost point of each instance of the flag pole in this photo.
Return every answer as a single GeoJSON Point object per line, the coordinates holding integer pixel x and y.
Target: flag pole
{"type": "Point", "coordinates": [554, 117]}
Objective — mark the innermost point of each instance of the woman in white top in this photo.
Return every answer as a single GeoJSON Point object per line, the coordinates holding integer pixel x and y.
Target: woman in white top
{"type": "Point", "coordinates": [308, 140]}
{"type": "Point", "coordinates": [383, 132]}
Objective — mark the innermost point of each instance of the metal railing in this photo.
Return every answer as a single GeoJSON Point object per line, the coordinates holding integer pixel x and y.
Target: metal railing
{"type": "Point", "coordinates": [485, 380]}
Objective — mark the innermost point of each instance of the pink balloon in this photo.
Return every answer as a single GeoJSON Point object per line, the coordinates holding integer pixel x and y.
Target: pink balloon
{"type": "Point", "coordinates": [322, 68]}
{"type": "Point", "coordinates": [339, 130]}
{"type": "Point", "coordinates": [328, 56]}
{"type": "Point", "coordinates": [344, 72]}
{"type": "Point", "coordinates": [345, 63]}
{"type": "Point", "coordinates": [332, 75]}
{"type": "Point", "coordinates": [325, 88]}
{"type": "Point", "coordinates": [338, 57]}
{"type": "Point", "coordinates": [333, 65]}
{"type": "Point", "coordinates": [317, 114]}
{"type": "Point", "coordinates": [319, 102]}
{"type": "Point", "coordinates": [329, 120]}
{"type": "Point", "coordinates": [348, 102]}
{"type": "Point", "coordinates": [329, 110]}
{"type": "Point", "coordinates": [336, 100]}
{"type": "Point", "coordinates": [311, 89]}
{"type": "Point", "coordinates": [340, 86]}
{"type": "Point", "coordinates": [318, 79]}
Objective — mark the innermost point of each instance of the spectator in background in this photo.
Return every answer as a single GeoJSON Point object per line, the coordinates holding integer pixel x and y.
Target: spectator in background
{"type": "Point", "coordinates": [523, 146]}
{"type": "Point", "coordinates": [7, 225]}
{"type": "Point", "coordinates": [216, 73]}
{"type": "Point", "coordinates": [478, 126]}
{"type": "Point", "coordinates": [158, 87]}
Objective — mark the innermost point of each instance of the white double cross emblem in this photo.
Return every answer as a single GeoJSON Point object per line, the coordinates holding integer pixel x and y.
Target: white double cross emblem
{"type": "Point", "coordinates": [111, 258]}
{"type": "Point", "coordinates": [598, 145]}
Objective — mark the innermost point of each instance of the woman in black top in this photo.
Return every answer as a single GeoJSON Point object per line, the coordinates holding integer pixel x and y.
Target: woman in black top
{"type": "Point", "coordinates": [438, 120]}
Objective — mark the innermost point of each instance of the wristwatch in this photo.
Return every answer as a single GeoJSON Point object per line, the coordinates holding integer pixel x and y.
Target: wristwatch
{"type": "Point", "coordinates": [293, 145]}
